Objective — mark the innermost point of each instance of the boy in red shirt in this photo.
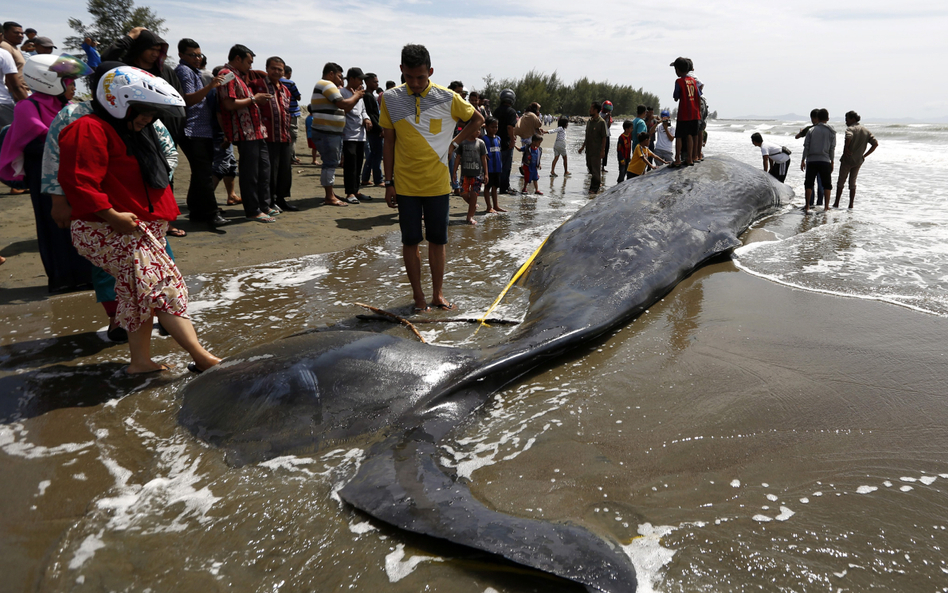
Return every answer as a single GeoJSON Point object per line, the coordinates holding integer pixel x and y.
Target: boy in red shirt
{"type": "Point", "coordinates": [624, 149]}
{"type": "Point", "coordinates": [688, 96]}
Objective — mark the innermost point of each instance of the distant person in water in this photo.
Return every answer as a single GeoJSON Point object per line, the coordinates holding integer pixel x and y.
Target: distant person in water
{"type": "Point", "coordinates": [595, 145]}
{"type": "Point", "coordinates": [606, 115]}
{"type": "Point", "coordinates": [814, 115]}
{"type": "Point", "coordinates": [559, 145]}
{"type": "Point", "coordinates": [854, 153]}
{"type": "Point", "coordinates": [776, 161]}
{"type": "Point", "coordinates": [818, 153]}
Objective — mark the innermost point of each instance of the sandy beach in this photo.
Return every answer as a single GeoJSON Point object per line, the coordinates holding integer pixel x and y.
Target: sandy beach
{"type": "Point", "coordinates": [747, 423]}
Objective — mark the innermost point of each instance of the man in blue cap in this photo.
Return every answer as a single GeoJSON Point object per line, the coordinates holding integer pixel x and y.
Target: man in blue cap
{"type": "Point", "coordinates": [665, 137]}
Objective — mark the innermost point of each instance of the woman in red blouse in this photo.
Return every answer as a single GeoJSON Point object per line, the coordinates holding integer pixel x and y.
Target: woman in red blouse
{"type": "Point", "coordinates": [118, 184]}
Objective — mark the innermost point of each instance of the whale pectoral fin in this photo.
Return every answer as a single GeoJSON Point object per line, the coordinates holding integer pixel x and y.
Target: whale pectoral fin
{"type": "Point", "coordinates": [404, 486]}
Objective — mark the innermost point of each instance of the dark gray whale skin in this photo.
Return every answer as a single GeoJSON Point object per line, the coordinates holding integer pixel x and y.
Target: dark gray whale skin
{"type": "Point", "coordinates": [607, 264]}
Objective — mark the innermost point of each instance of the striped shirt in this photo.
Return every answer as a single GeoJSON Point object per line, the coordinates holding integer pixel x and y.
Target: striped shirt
{"type": "Point", "coordinates": [424, 128]}
{"type": "Point", "coordinates": [326, 116]}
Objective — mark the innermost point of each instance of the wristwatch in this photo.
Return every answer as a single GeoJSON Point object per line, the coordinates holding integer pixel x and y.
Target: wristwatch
{"type": "Point", "coordinates": [388, 183]}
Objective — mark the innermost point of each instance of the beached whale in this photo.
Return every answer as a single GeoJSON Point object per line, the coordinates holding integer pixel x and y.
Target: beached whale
{"type": "Point", "coordinates": [603, 267]}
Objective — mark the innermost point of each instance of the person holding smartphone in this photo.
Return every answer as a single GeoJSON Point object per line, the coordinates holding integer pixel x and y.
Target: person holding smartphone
{"type": "Point", "coordinates": [665, 137]}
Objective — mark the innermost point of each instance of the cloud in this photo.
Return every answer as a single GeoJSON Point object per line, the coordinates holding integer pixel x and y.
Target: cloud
{"type": "Point", "coordinates": [753, 58]}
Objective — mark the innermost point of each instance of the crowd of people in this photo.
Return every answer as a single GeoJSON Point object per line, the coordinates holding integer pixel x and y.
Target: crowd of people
{"type": "Point", "coordinates": [100, 172]}
{"type": "Point", "coordinates": [819, 147]}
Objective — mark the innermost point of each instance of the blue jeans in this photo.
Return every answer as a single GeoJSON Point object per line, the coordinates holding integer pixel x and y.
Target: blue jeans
{"type": "Point", "coordinates": [330, 148]}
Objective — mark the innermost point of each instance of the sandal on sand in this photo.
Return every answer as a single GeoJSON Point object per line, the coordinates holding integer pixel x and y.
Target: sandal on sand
{"type": "Point", "coordinates": [417, 309]}
{"type": "Point", "coordinates": [337, 202]}
{"type": "Point", "coordinates": [176, 232]}
{"type": "Point", "coordinates": [263, 218]}
{"type": "Point", "coordinates": [443, 306]}
{"type": "Point", "coordinates": [234, 201]}
{"type": "Point", "coordinates": [363, 197]}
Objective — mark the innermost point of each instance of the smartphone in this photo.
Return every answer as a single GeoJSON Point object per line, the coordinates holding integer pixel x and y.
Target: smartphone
{"type": "Point", "coordinates": [229, 77]}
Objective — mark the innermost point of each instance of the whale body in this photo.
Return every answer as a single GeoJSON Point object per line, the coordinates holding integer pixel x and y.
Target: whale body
{"type": "Point", "coordinates": [602, 268]}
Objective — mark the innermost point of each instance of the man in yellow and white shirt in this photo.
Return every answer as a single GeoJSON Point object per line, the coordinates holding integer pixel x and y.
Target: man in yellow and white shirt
{"type": "Point", "coordinates": [418, 120]}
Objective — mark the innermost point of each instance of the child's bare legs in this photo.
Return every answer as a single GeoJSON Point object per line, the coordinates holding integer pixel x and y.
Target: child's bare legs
{"type": "Point", "coordinates": [471, 199]}
{"type": "Point", "coordinates": [497, 207]}
{"type": "Point", "coordinates": [556, 157]}
{"type": "Point", "coordinates": [536, 188]}
{"type": "Point", "coordinates": [688, 149]}
{"type": "Point", "coordinates": [183, 333]}
{"type": "Point", "coordinates": [565, 165]}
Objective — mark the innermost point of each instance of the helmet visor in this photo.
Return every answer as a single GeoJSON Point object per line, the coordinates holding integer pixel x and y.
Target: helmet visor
{"type": "Point", "coordinates": [70, 67]}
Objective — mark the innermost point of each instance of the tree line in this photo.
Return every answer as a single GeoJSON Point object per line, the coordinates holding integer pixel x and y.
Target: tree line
{"type": "Point", "coordinates": [554, 96]}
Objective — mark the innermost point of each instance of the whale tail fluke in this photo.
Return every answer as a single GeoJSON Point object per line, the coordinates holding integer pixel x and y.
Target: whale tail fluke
{"type": "Point", "coordinates": [404, 486]}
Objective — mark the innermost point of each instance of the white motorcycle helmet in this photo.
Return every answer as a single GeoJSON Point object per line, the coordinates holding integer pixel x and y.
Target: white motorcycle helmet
{"type": "Point", "coordinates": [125, 86]}
{"type": "Point", "coordinates": [46, 73]}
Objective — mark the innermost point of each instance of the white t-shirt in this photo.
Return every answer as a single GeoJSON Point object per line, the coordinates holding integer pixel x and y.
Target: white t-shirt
{"type": "Point", "coordinates": [560, 135]}
{"type": "Point", "coordinates": [7, 66]}
{"type": "Point", "coordinates": [661, 138]}
{"type": "Point", "coordinates": [775, 153]}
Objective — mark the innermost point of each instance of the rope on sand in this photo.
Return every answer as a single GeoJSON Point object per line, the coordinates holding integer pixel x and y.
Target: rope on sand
{"type": "Point", "coordinates": [503, 293]}
{"type": "Point", "coordinates": [401, 320]}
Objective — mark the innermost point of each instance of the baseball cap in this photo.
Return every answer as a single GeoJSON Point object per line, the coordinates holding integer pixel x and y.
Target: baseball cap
{"type": "Point", "coordinates": [43, 41]}
{"type": "Point", "coordinates": [666, 113]}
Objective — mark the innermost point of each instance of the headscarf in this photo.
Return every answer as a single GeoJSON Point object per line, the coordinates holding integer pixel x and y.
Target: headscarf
{"type": "Point", "coordinates": [30, 122]}
{"type": "Point", "coordinates": [142, 145]}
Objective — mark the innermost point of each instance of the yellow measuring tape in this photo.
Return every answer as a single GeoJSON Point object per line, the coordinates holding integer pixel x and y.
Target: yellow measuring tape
{"type": "Point", "coordinates": [516, 277]}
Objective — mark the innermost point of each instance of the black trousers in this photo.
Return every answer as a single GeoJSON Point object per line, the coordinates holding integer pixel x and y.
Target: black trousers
{"type": "Point", "coordinates": [65, 269]}
{"type": "Point", "coordinates": [253, 167]}
{"type": "Point", "coordinates": [281, 170]}
{"type": "Point", "coordinates": [373, 164]}
{"type": "Point", "coordinates": [353, 152]}
{"type": "Point", "coordinates": [202, 205]}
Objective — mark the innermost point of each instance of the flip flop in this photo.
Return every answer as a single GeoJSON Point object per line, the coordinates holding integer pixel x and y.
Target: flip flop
{"type": "Point", "coordinates": [443, 306]}
{"type": "Point", "coordinates": [175, 232]}
{"type": "Point", "coordinates": [338, 202]}
{"type": "Point", "coordinates": [263, 218]}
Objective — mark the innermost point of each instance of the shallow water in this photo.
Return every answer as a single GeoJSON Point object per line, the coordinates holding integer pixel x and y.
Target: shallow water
{"type": "Point", "coordinates": [728, 448]}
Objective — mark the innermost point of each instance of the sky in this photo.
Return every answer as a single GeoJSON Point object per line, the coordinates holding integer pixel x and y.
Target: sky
{"type": "Point", "coordinates": [882, 59]}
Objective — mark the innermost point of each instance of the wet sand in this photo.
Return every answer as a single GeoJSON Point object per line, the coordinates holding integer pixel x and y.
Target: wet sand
{"type": "Point", "coordinates": [729, 376]}
{"type": "Point", "coordinates": [315, 229]}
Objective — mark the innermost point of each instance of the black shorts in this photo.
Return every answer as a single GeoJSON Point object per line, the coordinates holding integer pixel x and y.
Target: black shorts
{"type": "Point", "coordinates": [687, 128]}
{"type": "Point", "coordinates": [821, 168]}
{"type": "Point", "coordinates": [493, 180]}
{"type": "Point", "coordinates": [435, 211]}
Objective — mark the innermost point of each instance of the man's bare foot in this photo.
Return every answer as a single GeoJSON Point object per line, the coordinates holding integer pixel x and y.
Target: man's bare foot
{"type": "Point", "coordinates": [488, 211]}
{"type": "Point", "coordinates": [145, 367]}
{"type": "Point", "coordinates": [2, 260]}
{"type": "Point", "coordinates": [471, 221]}
{"type": "Point", "coordinates": [498, 209]}
{"type": "Point", "coordinates": [234, 199]}
{"type": "Point", "coordinates": [334, 201]}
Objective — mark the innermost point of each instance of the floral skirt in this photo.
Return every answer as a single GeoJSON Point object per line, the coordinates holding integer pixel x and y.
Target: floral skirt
{"type": "Point", "coordinates": [146, 279]}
